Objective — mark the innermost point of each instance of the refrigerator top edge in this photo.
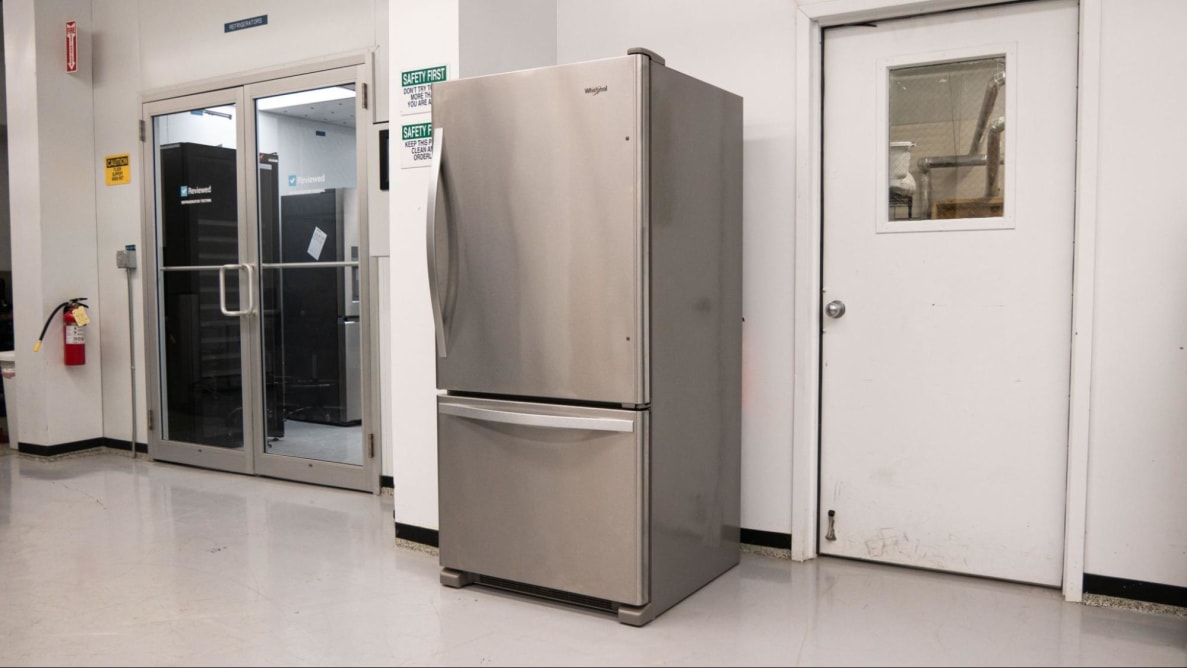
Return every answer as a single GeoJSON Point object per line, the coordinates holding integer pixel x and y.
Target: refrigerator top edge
{"type": "Point", "coordinates": [640, 55]}
{"type": "Point", "coordinates": [527, 70]}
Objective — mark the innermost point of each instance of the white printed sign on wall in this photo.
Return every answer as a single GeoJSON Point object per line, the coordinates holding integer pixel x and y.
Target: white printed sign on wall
{"type": "Point", "coordinates": [316, 243]}
{"type": "Point", "coordinates": [417, 88]}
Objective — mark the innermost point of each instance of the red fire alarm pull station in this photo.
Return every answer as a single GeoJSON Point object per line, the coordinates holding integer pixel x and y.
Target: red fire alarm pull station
{"type": "Point", "coordinates": [71, 47]}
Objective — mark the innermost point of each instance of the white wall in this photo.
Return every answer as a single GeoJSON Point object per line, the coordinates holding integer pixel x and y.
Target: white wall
{"type": "Point", "coordinates": [506, 36]}
{"type": "Point", "coordinates": [51, 144]}
{"type": "Point", "coordinates": [424, 34]}
{"type": "Point", "coordinates": [184, 42]}
{"type": "Point", "coordinates": [1137, 502]}
{"type": "Point", "coordinates": [117, 211]}
{"type": "Point", "coordinates": [746, 48]}
{"type": "Point", "coordinates": [5, 220]}
{"type": "Point", "coordinates": [3, 87]}
{"type": "Point", "coordinates": [5, 243]}
{"type": "Point", "coordinates": [1136, 527]}
{"type": "Point", "coordinates": [143, 45]}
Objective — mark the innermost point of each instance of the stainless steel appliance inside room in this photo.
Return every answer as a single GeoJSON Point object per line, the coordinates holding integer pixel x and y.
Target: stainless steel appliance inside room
{"type": "Point", "coordinates": [585, 252]}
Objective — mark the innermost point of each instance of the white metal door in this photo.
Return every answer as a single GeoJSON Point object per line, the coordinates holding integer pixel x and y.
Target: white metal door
{"type": "Point", "coordinates": [949, 177]}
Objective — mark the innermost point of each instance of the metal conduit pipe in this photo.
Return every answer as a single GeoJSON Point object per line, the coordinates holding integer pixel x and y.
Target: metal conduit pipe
{"type": "Point", "coordinates": [991, 159]}
{"type": "Point", "coordinates": [926, 165]}
{"type": "Point", "coordinates": [991, 89]}
{"type": "Point", "coordinates": [993, 155]}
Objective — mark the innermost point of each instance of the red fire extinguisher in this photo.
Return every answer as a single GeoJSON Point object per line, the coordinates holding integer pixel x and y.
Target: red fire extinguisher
{"type": "Point", "coordinates": [74, 339]}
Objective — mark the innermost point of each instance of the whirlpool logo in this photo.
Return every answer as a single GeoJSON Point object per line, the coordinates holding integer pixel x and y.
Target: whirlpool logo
{"type": "Point", "coordinates": [594, 90]}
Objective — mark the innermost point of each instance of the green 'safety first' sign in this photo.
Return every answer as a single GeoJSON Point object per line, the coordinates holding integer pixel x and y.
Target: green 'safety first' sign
{"type": "Point", "coordinates": [416, 145]}
{"type": "Point", "coordinates": [417, 88]}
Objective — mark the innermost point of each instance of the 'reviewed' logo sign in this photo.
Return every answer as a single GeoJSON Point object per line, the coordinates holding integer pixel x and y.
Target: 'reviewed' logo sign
{"type": "Point", "coordinates": [189, 195]}
{"type": "Point", "coordinates": [295, 180]}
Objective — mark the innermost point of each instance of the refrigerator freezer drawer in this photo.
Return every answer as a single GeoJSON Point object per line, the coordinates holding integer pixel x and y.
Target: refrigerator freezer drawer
{"type": "Point", "coordinates": [545, 495]}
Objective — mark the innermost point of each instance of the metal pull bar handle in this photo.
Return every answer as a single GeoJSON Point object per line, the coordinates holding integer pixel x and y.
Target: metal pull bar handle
{"type": "Point", "coordinates": [431, 225]}
{"type": "Point", "coordinates": [537, 420]}
{"type": "Point", "coordinates": [251, 290]}
{"type": "Point", "coordinates": [222, 289]}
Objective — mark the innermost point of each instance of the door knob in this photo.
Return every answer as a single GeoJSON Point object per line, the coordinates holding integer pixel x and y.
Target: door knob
{"type": "Point", "coordinates": [835, 308]}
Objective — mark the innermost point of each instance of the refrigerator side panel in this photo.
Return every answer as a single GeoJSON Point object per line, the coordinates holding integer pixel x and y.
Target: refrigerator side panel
{"type": "Point", "coordinates": [696, 333]}
{"type": "Point", "coordinates": [537, 242]}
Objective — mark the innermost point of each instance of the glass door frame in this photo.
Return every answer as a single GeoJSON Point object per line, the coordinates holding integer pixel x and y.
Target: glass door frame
{"type": "Point", "coordinates": [182, 452]}
{"type": "Point", "coordinates": [366, 475]}
{"type": "Point", "coordinates": [253, 458]}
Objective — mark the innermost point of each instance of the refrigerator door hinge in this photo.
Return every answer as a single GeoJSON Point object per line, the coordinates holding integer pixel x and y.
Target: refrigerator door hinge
{"type": "Point", "coordinates": [371, 437]}
{"type": "Point", "coordinates": [141, 130]}
{"type": "Point", "coordinates": [150, 420]}
{"type": "Point", "coordinates": [364, 96]}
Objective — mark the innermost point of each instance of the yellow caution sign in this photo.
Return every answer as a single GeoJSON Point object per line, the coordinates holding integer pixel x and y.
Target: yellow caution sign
{"type": "Point", "coordinates": [119, 169]}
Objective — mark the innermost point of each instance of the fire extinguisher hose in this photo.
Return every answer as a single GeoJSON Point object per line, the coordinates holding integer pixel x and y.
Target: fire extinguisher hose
{"type": "Point", "coordinates": [76, 302]}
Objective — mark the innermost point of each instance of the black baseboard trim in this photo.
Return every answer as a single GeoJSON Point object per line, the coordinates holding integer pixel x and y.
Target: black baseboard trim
{"type": "Point", "coordinates": [60, 448]}
{"type": "Point", "coordinates": [1135, 590]}
{"type": "Point", "coordinates": [779, 541]}
{"type": "Point", "coordinates": [386, 481]}
{"type": "Point", "coordinates": [115, 444]}
{"type": "Point", "coordinates": [417, 534]}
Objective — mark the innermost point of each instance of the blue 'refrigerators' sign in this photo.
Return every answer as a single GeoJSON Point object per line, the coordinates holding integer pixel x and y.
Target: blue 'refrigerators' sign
{"type": "Point", "coordinates": [244, 24]}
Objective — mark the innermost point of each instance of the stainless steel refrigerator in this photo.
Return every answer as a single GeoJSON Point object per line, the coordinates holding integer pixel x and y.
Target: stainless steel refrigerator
{"type": "Point", "coordinates": [585, 256]}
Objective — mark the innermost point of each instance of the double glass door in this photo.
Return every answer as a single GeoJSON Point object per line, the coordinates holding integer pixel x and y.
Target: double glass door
{"type": "Point", "coordinates": [256, 325]}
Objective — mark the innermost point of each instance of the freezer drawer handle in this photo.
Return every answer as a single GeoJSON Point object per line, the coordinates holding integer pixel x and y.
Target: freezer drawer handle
{"type": "Point", "coordinates": [435, 292]}
{"type": "Point", "coordinates": [536, 420]}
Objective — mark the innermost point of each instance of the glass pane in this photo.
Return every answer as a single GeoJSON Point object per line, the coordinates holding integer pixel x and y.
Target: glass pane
{"type": "Point", "coordinates": [198, 226]}
{"type": "Point", "coordinates": [202, 380]}
{"type": "Point", "coordinates": [947, 127]}
{"type": "Point", "coordinates": [309, 244]}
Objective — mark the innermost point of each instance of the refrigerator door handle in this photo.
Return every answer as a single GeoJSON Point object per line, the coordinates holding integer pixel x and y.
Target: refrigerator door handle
{"type": "Point", "coordinates": [222, 289]}
{"type": "Point", "coordinates": [435, 292]}
{"type": "Point", "coordinates": [537, 420]}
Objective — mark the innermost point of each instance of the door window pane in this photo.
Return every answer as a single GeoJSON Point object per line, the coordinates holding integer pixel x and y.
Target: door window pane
{"type": "Point", "coordinates": [947, 140]}
{"type": "Point", "coordinates": [309, 249]}
{"type": "Point", "coordinates": [198, 228]}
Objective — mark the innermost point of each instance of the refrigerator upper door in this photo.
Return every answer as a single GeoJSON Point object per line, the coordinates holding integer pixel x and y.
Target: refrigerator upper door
{"type": "Point", "coordinates": [538, 238]}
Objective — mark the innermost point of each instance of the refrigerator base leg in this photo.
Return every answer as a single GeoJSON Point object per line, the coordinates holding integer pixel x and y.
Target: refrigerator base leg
{"type": "Point", "coordinates": [637, 615]}
{"type": "Point", "coordinates": [456, 579]}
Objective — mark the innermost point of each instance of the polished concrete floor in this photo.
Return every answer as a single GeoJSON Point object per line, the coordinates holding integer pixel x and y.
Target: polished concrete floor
{"type": "Point", "coordinates": [106, 560]}
{"type": "Point", "coordinates": [323, 442]}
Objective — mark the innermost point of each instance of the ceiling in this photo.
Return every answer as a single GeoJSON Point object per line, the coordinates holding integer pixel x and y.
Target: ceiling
{"type": "Point", "coordinates": [333, 112]}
